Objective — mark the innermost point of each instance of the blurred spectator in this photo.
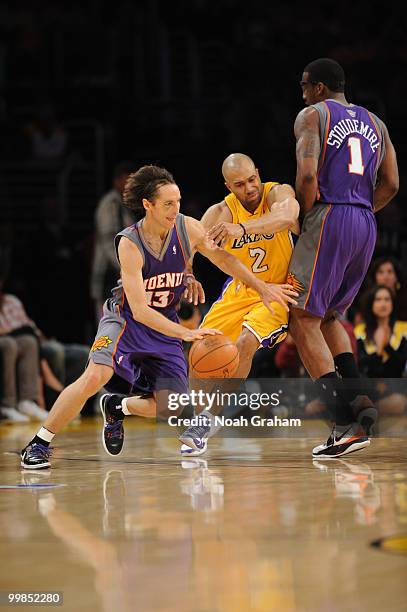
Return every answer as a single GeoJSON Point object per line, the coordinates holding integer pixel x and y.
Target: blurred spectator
{"type": "Point", "coordinates": [47, 135]}
{"type": "Point", "coordinates": [34, 368]}
{"type": "Point", "coordinates": [382, 347]}
{"type": "Point", "coordinates": [111, 216]}
{"type": "Point", "coordinates": [61, 364]}
{"type": "Point", "coordinates": [383, 271]}
{"type": "Point", "coordinates": [386, 271]}
{"type": "Point", "coordinates": [19, 349]}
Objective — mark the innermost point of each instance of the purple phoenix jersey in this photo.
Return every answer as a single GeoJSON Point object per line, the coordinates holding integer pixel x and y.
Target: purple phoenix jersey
{"type": "Point", "coordinates": [163, 274]}
{"type": "Point", "coordinates": [143, 357]}
{"type": "Point", "coordinates": [352, 149]}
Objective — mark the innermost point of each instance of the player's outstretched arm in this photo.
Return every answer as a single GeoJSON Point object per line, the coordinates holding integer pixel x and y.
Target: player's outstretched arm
{"type": "Point", "coordinates": [269, 292]}
{"type": "Point", "coordinates": [306, 130]}
{"type": "Point", "coordinates": [194, 291]}
{"type": "Point", "coordinates": [387, 176]}
{"type": "Point", "coordinates": [284, 212]}
{"type": "Point", "coordinates": [131, 263]}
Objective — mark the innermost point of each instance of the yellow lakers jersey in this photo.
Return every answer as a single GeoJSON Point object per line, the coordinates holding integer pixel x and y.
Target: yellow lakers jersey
{"type": "Point", "coordinates": [266, 255]}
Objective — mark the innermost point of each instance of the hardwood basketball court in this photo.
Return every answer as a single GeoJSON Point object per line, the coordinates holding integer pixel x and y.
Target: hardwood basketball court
{"type": "Point", "coordinates": [254, 524]}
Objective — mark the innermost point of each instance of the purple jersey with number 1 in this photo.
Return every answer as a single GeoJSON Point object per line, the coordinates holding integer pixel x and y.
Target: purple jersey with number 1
{"type": "Point", "coordinates": [338, 236]}
{"type": "Point", "coordinates": [352, 150]}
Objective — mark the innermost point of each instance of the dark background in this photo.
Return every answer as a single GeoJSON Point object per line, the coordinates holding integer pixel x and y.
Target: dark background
{"type": "Point", "coordinates": [181, 84]}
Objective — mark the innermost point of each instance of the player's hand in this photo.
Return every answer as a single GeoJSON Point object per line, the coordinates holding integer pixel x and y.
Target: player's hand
{"type": "Point", "coordinates": [194, 291]}
{"type": "Point", "coordinates": [222, 232]}
{"type": "Point", "coordinates": [191, 335]}
{"type": "Point", "coordinates": [282, 294]}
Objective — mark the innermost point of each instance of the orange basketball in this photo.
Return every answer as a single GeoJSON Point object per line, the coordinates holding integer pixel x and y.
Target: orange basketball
{"type": "Point", "coordinates": [213, 357]}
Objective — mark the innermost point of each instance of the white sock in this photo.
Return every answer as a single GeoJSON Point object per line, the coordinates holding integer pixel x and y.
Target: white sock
{"type": "Point", "coordinates": [46, 435]}
{"type": "Point", "coordinates": [125, 410]}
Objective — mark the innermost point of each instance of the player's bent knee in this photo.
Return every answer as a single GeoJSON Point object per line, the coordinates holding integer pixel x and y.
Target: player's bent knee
{"type": "Point", "coordinates": [247, 344]}
{"type": "Point", "coordinates": [95, 377]}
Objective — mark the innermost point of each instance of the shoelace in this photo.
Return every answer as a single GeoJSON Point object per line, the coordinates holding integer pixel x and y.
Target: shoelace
{"type": "Point", "coordinates": [115, 429]}
{"type": "Point", "coordinates": [332, 436]}
{"type": "Point", "coordinates": [39, 451]}
{"type": "Point", "coordinates": [198, 431]}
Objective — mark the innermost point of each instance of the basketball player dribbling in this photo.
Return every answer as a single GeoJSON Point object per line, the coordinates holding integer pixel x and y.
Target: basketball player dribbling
{"type": "Point", "coordinates": [346, 171]}
{"type": "Point", "coordinates": [138, 345]}
{"type": "Point", "coordinates": [257, 222]}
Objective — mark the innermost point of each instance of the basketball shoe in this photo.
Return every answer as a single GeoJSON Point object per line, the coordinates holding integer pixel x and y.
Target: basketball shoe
{"type": "Point", "coordinates": [187, 451]}
{"type": "Point", "coordinates": [342, 441]}
{"type": "Point", "coordinates": [113, 417]}
{"type": "Point", "coordinates": [195, 438]}
{"type": "Point", "coordinates": [36, 457]}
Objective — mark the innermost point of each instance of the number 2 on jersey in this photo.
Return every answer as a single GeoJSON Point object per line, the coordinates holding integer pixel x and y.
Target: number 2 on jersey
{"type": "Point", "coordinates": [356, 160]}
{"type": "Point", "coordinates": [259, 254]}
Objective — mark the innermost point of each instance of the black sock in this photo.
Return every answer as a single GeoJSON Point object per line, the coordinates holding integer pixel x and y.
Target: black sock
{"type": "Point", "coordinates": [345, 364]}
{"type": "Point", "coordinates": [331, 393]}
{"type": "Point", "coordinates": [354, 387]}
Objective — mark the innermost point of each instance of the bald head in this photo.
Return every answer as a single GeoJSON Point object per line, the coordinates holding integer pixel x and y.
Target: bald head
{"type": "Point", "coordinates": [242, 179]}
{"type": "Point", "coordinates": [237, 162]}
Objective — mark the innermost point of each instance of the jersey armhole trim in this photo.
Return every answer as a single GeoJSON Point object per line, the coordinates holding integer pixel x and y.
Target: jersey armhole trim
{"type": "Point", "coordinates": [134, 237]}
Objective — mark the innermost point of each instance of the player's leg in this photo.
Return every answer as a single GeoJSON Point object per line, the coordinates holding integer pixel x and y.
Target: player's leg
{"type": "Point", "coordinates": [360, 227]}
{"type": "Point", "coordinates": [258, 328]}
{"type": "Point", "coordinates": [354, 392]}
{"type": "Point", "coordinates": [317, 359]}
{"type": "Point", "coordinates": [227, 315]}
{"type": "Point", "coordinates": [154, 378]}
{"type": "Point", "coordinates": [140, 405]}
{"type": "Point", "coordinates": [194, 438]}
{"type": "Point", "coordinates": [247, 344]}
{"type": "Point", "coordinates": [68, 405]}
{"type": "Point", "coordinates": [72, 399]}
{"type": "Point", "coordinates": [115, 407]}
{"type": "Point", "coordinates": [305, 328]}
{"type": "Point", "coordinates": [318, 266]}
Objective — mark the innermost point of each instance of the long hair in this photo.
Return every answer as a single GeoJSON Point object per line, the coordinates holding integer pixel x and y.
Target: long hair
{"type": "Point", "coordinates": [375, 265]}
{"type": "Point", "coordinates": [368, 314]}
{"type": "Point", "coordinates": [144, 184]}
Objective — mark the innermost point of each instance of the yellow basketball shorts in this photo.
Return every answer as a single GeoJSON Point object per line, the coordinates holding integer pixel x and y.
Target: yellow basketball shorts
{"type": "Point", "coordinates": [240, 307]}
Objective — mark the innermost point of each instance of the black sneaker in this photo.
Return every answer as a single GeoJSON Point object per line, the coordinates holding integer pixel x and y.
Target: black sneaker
{"type": "Point", "coordinates": [352, 439]}
{"type": "Point", "coordinates": [113, 417]}
{"type": "Point", "coordinates": [35, 457]}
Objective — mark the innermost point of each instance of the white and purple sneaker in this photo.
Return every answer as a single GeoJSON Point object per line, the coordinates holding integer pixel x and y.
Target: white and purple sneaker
{"type": "Point", "coordinates": [201, 445]}
{"type": "Point", "coordinates": [195, 438]}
